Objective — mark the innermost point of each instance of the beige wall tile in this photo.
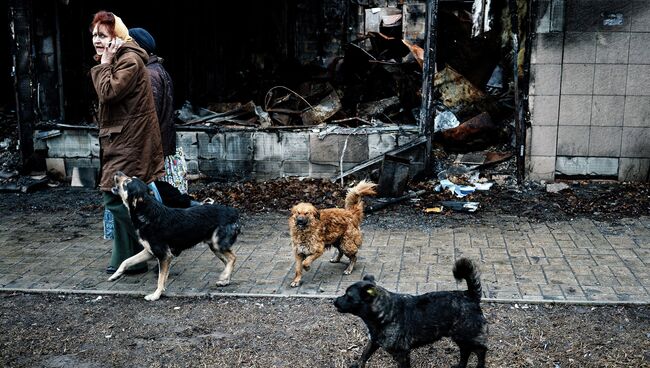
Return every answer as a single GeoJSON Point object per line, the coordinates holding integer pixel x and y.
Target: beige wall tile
{"type": "Point", "coordinates": [601, 119]}
{"type": "Point", "coordinates": [640, 48]}
{"type": "Point", "coordinates": [605, 141]}
{"type": "Point", "coordinates": [638, 80]}
{"type": "Point", "coordinates": [573, 141]}
{"type": "Point", "coordinates": [540, 167]}
{"type": "Point", "coordinates": [577, 79]}
{"type": "Point", "coordinates": [545, 79]}
{"type": "Point", "coordinates": [608, 111]}
{"type": "Point", "coordinates": [636, 143]}
{"type": "Point", "coordinates": [640, 16]}
{"type": "Point", "coordinates": [548, 48]}
{"type": "Point", "coordinates": [633, 169]}
{"type": "Point", "coordinates": [586, 166]}
{"type": "Point", "coordinates": [580, 47]}
{"type": "Point", "coordinates": [610, 79]}
{"type": "Point", "coordinates": [575, 110]}
{"type": "Point", "coordinates": [612, 47]}
{"type": "Point", "coordinates": [637, 111]}
{"type": "Point", "coordinates": [544, 110]}
{"type": "Point", "coordinates": [543, 140]}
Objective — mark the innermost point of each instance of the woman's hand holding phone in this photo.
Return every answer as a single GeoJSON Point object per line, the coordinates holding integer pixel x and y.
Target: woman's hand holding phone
{"type": "Point", "coordinates": [111, 49]}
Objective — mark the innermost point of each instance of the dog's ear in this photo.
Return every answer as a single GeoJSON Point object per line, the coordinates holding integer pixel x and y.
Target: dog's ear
{"type": "Point", "coordinates": [370, 291]}
{"type": "Point", "coordinates": [317, 214]}
{"type": "Point", "coordinates": [369, 278]}
{"type": "Point", "coordinates": [136, 199]}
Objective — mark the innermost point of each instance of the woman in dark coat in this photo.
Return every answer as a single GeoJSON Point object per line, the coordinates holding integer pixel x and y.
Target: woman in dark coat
{"type": "Point", "coordinates": [163, 95]}
{"type": "Point", "coordinates": [129, 135]}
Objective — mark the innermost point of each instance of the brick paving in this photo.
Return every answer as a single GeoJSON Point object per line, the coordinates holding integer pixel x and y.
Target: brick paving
{"type": "Point", "coordinates": [579, 261]}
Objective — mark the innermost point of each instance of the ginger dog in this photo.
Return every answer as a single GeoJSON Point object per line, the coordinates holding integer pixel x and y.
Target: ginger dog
{"type": "Point", "coordinates": [313, 231]}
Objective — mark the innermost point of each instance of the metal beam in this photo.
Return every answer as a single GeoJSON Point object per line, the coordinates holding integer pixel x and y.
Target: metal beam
{"type": "Point", "coordinates": [427, 108]}
{"type": "Point", "coordinates": [520, 130]}
{"type": "Point", "coordinates": [20, 15]}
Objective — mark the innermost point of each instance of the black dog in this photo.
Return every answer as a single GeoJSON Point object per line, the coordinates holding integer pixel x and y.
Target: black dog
{"type": "Point", "coordinates": [400, 322]}
{"type": "Point", "coordinates": [165, 232]}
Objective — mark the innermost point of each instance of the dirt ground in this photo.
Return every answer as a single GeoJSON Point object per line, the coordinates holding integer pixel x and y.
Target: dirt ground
{"type": "Point", "coordinates": [47, 330]}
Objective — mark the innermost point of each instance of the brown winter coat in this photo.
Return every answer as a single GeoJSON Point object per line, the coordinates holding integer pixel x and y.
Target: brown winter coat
{"type": "Point", "coordinates": [129, 135]}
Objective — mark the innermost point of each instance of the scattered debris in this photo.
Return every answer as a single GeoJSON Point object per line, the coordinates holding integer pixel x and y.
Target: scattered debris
{"type": "Point", "coordinates": [326, 108]}
{"type": "Point", "coordinates": [394, 176]}
{"type": "Point", "coordinates": [24, 184]}
{"type": "Point", "coordinates": [459, 190]}
{"type": "Point", "coordinates": [385, 202]}
{"type": "Point", "coordinates": [378, 80]}
{"type": "Point", "coordinates": [556, 187]}
{"type": "Point", "coordinates": [247, 114]}
{"type": "Point", "coordinates": [462, 181]}
{"type": "Point", "coordinates": [461, 206]}
{"type": "Point", "coordinates": [476, 133]}
{"type": "Point", "coordinates": [9, 155]}
{"type": "Point", "coordinates": [8, 174]}
{"type": "Point", "coordinates": [437, 209]}
{"type": "Point", "coordinates": [455, 89]}
{"type": "Point", "coordinates": [445, 120]}
{"type": "Point", "coordinates": [5, 143]}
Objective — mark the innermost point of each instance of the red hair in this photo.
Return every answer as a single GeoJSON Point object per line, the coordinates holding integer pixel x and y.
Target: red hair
{"type": "Point", "coordinates": [106, 18]}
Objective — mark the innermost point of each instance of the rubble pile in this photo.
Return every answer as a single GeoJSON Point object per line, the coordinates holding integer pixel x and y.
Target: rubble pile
{"type": "Point", "coordinates": [600, 201]}
{"type": "Point", "coordinates": [9, 155]}
{"type": "Point", "coordinates": [377, 81]}
{"type": "Point", "coordinates": [272, 195]}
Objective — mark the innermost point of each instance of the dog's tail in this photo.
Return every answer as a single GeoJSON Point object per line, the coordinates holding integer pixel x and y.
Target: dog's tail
{"type": "Point", "coordinates": [353, 200]}
{"type": "Point", "coordinates": [465, 269]}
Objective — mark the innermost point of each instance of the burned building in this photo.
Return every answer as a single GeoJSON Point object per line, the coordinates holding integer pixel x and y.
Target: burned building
{"type": "Point", "coordinates": [325, 88]}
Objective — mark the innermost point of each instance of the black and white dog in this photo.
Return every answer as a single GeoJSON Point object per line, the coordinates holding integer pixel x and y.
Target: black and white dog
{"type": "Point", "coordinates": [401, 322]}
{"type": "Point", "coordinates": [165, 232]}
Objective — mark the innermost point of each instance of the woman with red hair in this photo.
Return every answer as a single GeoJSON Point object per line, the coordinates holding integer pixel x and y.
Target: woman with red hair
{"type": "Point", "coordinates": [129, 135]}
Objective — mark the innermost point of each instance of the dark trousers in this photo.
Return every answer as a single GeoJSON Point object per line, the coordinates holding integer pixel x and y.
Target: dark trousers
{"type": "Point", "coordinates": [125, 242]}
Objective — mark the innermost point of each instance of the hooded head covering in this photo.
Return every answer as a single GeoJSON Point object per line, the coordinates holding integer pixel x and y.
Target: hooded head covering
{"type": "Point", "coordinates": [144, 39]}
{"type": "Point", "coordinates": [120, 29]}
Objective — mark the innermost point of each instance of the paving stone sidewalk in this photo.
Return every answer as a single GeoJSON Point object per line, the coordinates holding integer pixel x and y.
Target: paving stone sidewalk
{"type": "Point", "coordinates": [580, 261]}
